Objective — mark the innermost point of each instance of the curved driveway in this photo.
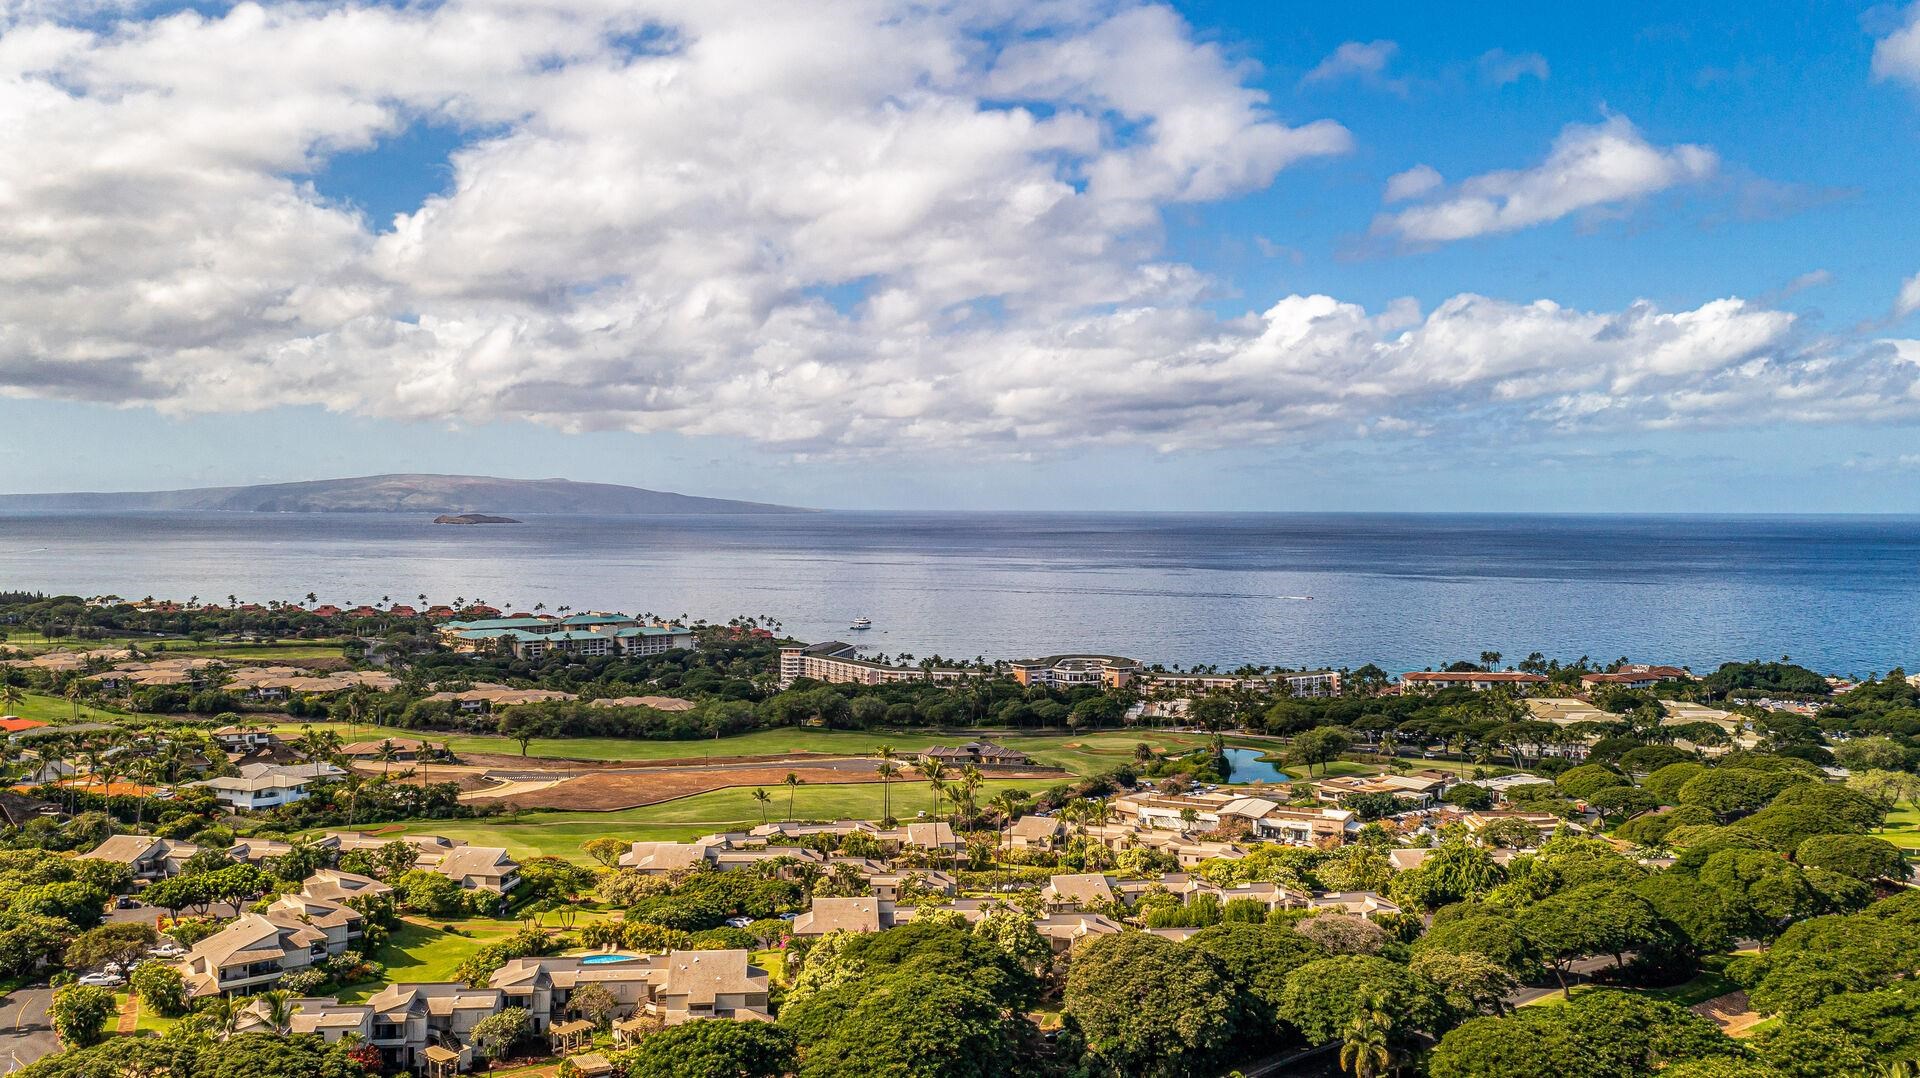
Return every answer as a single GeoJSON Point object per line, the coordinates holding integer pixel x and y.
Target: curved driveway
{"type": "Point", "coordinates": [25, 1033]}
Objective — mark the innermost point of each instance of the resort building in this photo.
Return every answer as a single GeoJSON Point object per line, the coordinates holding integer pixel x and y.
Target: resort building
{"type": "Point", "coordinates": [480, 868]}
{"type": "Point", "coordinates": [1036, 833]}
{"type": "Point", "coordinates": [838, 663]}
{"type": "Point", "coordinates": [1622, 680]}
{"type": "Point", "coordinates": [418, 1026]}
{"type": "Point", "coordinates": [1263, 819]}
{"type": "Point", "coordinates": [263, 785]}
{"type": "Point", "coordinates": [1477, 680]}
{"type": "Point", "coordinates": [1073, 671]}
{"type": "Point", "coordinates": [864, 914]}
{"type": "Point", "coordinates": [1302, 683]}
{"type": "Point", "coordinates": [979, 753]}
{"type": "Point", "coordinates": [1422, 787]}
{"type": "Point", "coordinates": [150, 858]}
{"type": "Point", "coordinates": [584, 635]}
{"type": "Point", "coordinates": [255, 951]}
{"type": "Point", "coordinates": [338, 885]}
{"type": "Point", "coordinates": [245, 738]}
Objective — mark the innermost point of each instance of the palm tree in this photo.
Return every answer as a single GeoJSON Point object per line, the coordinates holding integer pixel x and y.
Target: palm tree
{"type": "Point", "coordinates": [970, 779]}
{"type": "Point", "coordinates": [73, 697]}
{"type": "Point", "coordinates": [1009, 804]}
{"type": "Point", "coordinates": [142, 770]}
{"type": "Point", "coordinates": [887, 770]}
{"type": "Point", "coordinates": [934, 771]}
{"type": "Point", "coordinates": [792, 782]}
{"type": "Point", "coordinates": [280, 1009]}
{"type": "Point", "coordinates": [1365, 1052]}
{"type": "Point", "coordinates": [386, 754]}
{"type": "Point", "coordinates": [762, 797]}
{"type": "Point", "coordinates": [11, 697]}
{"type": "Point", "coordinates": [1188, 816]}
{"type": "Point", "coordinates": [223, 1015]}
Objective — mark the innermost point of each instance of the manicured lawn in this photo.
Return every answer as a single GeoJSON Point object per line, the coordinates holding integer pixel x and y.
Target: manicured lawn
{"type": "Point", "coordinates": [561, 833]}
{"type": "Point", "coordinates": [757, 743]}
{"type": "Point", "coordinates": [774, 961]}
{"type": "Point", "coordinates": [427, 953]}
{"type": "Point", "coordinates": [302, 649]}
{"type": "Point", "coordinates": [1079, 754]}
{"type": "Point", "coordinates": [1903, 828]}
{"type": "Point", "coordinates": [54, 710]}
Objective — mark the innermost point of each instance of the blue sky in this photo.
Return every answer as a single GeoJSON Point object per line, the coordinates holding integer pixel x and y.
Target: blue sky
{"type": "Point", "coordinates": [553, 254]}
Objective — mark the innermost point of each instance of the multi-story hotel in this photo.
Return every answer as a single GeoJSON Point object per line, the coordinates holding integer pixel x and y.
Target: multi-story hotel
{"type": "Point", "coordinates": [1291, 683]}
{"type": "Point", "coordinates": [1477, 680]}
{"type": "Point", "coordinates": [585, 635]}
{"type": "Point", "coordinates": [1114, 672]}
{"type": "Point", "coordinates": [1071, 671]}
{"type": "Point", "coordinates": [839, 663]}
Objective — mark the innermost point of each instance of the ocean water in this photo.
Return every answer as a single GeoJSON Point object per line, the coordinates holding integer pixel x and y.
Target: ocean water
{"type": "Point", "coordinates": [1406, 591]}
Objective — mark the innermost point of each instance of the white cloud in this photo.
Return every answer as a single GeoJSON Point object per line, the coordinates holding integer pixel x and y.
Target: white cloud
{"type": "Point", "coordinates": [1363, 61]}
{"type": "Point", "coordinates": [640, 239]}
{"type": "Point", "coordinates": [1413, 183]}
{"type": "Point", "coordinates": [1500, 67]}
{"type": "Point", "coordinates": [1897, 56]}
{"type": "Point", "coordinates": [1908, 301]}
{"type": "Point", "coordinates": [1589, 166]}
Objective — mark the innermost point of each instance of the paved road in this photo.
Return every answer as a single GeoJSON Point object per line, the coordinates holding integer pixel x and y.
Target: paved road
{"type": "Point", "coordinates": [25, 1035]}
{"type": "Point", "coordinates": [1579, 972]}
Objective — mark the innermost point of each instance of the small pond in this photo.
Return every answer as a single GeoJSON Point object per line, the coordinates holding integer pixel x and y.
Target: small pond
{"type": "Point", "coordinates": [1249, 767]}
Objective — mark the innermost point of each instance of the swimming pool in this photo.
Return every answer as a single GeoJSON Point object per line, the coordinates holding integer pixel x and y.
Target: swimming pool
{"type": "Point", "coordinates": [607, 959]}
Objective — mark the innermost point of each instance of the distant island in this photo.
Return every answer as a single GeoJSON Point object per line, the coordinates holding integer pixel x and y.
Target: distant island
{"type": "Point", "coordinates": [449, 494]}
{"type": "Point", "coordinates": [473, 518]}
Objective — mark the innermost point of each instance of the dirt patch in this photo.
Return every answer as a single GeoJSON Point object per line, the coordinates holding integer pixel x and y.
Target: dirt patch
{"type": "Point", "coordinates": [508, 761]}
{"type": "Point", "coordinates": [603, 791]}
{"type": "Point", "coordinates": [1731, 1012]}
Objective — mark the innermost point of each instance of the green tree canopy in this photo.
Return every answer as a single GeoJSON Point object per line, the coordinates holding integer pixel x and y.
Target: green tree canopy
{"type": "Point", "coordinates": [1149, 1006]}
{"type": "Point", "coordinates": [713, 1048]}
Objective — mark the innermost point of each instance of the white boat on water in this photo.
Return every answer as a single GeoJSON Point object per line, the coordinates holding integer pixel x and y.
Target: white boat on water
{"type": "Point", "coordinates": [861, 623]}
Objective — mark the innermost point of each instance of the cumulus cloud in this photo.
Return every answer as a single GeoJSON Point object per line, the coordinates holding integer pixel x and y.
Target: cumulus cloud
{"type": "Point", "coordinates": [1413, 183]}
{"type": "Point", "coordinates": [700, 218]}
{"type": "Point", "coordinates": [1897, 56]}
{"type": "Point", "coordinates": [1365, 62]}
{"type": "Point", "coordinates": [1500, 67]}
{"type": "Point", "coordinates": [1908, 301]}
{"type": "Point", "coordinates": [1590, 166]}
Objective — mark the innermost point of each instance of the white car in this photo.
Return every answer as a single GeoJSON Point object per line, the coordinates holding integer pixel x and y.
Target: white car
{"type": "Point", "coordinates": [167, 950]}
{"type": "Point", "coordinates": [739, 922]}
{"type": "Point", "coordinates": [103, 980]}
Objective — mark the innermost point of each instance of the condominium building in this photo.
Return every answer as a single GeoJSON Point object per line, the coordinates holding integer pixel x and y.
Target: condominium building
{"type": "Point", "coordinates": [1477, 680]}
{"type": "Point", "coordinates": [1072, 671]}
{"type": "Point", "coordinates": [254, 952]}
{"type": "Point", "coordinates": [264, 785]}
{"type": "Point", "coordinates": [1303, 683]}
{"type": "Point", "coordinates": [839, 663]}
{"type": "Point", "coordinates": [585, 635]}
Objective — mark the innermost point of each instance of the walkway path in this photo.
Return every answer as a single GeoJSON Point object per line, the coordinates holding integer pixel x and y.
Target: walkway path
{"type": "Point", "coordinates": [129, 1013]}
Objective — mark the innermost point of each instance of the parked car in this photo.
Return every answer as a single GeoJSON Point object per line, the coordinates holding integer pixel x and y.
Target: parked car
{"type": "Point", "coordinates": [167, 949]}
{"type": "Point", "coordinates": [103, 980]}
{"type": "Point", "coordinates": [739, 922]}
{"type": "Point", "coordinates": [127, 902]}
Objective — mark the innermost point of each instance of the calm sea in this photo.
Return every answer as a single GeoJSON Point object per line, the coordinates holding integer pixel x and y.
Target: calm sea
{"type": "Point", "coordinates": [1406, 591]}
